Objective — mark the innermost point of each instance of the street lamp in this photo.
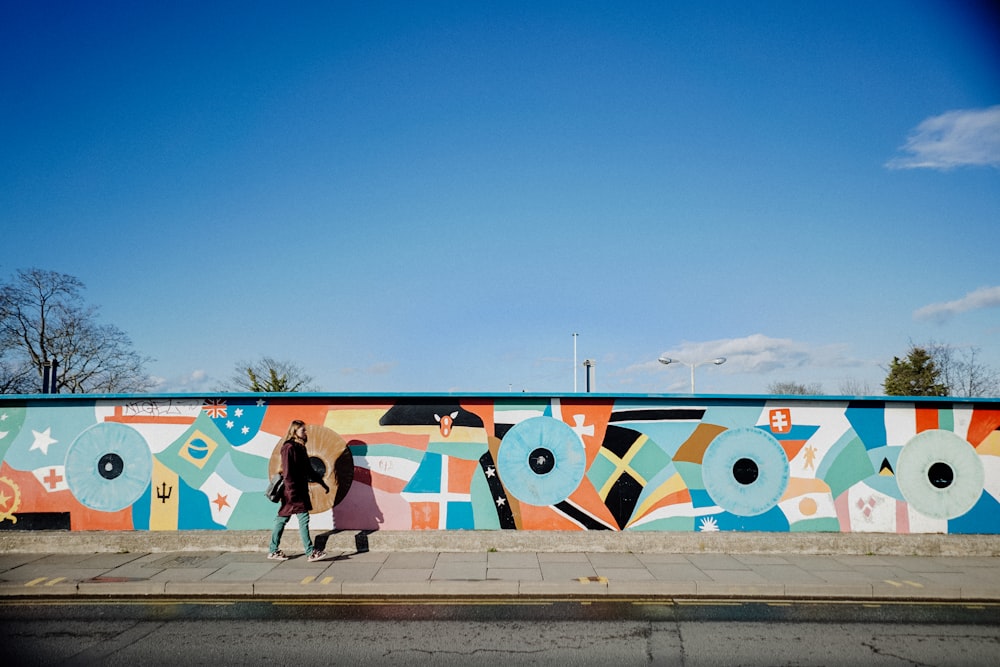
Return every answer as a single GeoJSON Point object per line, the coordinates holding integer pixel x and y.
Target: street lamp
{"type": "Point", "coordinates": [718, 361]}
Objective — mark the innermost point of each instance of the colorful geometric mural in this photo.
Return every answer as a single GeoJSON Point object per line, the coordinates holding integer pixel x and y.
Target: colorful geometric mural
{"type": "Point", "coordinates": [506, 462]}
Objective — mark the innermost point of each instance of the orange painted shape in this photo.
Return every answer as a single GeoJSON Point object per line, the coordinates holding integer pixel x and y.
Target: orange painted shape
{"type": "Point", "coordinates": [279, 416]}
{"type": "Point", "coordinates": [927, 419]}
{"type": "Point", "coordinates": [425, 515]}
{"type": "Point", "coordinates": [589, 419]}
{"type": "Point", "coordinates": [693, 449]}
{"type": "Point", "coordinates": [535, 517]}
{"type": "Point", "coordinates": [34, 497]}
{"type": "Point", "coordinates": [792, 447]}
{"type": "Point", "coordinates": [983, 423]}
{"type": "Point", "coordinates": [587, 498]}
{"type": "Point", "coordinates": [780, 420]}
{"type": "Point", "coordinates": [482, 409]}
{"type": "Point", "coordinates": [460, 474]}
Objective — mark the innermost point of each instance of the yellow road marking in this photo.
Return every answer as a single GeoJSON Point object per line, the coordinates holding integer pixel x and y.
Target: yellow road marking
{"type": "Point", "coordinates": [913, 583]}
{"type": "Point", "coordinates": [34, 582]}
{"type": "Point", "coordinates": [587, 580]}
{"type": "Point", "coordinates": [326, 580]}
{"type": "Point", "coordinates": [55, 581]}
{"type": "Point", "coordinates": [308, 580]}
{"type": "Point", "coordinates": [894, 583]}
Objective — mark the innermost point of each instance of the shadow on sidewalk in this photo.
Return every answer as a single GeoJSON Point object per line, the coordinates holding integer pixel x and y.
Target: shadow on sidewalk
{"type": "Point", "coordinates": [360, 540]}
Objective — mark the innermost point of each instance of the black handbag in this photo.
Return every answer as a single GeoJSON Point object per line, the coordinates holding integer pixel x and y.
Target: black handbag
{"type": "Point", "coordinates": [275, 490]}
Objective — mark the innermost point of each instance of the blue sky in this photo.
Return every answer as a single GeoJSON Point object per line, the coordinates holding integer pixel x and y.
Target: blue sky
{"type": "Point", "coordinates": [434, 196]}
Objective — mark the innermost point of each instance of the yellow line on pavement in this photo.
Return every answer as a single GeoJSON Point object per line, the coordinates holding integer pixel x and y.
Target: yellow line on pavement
{"type": "Point", "coordinates": [326, 580]}
{"type": "Point", "coordinates": [34, 582]}
{"type": "Point", "coordinates": [55, 581]}
{"type": "Point", "coordinates": [913, 583]}
{"type": "Point", "coordinates": [307, 580]}
{"type": "Point", "coordinates": [894, 583]}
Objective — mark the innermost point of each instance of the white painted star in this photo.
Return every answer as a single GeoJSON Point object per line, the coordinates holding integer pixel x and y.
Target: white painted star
{"type": "Point", "coordinates": [491, 472]}
{"type": "Point", "coordinates": [239, 412]}
{"type": "Point", "coordinates": [261, 402]}
{"type": "Point", "coordinates": [230, 424]}
{"type": "Point", "coordinates": [245, 430]}
{"type": "Point", "coordinates": [501, 502]}
{"type": "Point", "coordinates": [42, 440]}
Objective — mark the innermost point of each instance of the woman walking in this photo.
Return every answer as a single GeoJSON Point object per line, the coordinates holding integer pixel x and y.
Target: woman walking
{"type": "Point", "coordinates": [298, 472]}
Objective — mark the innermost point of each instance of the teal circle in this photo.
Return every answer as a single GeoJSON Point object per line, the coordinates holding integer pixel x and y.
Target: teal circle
{"type": "Point", "coordinates": [554, 480]}
{"type": "Point", "coordinates": [914, 471]}
{"type": "Point", "coordinates": [108, 467]}
{"type": "Point", "coordinates": [727, 450]}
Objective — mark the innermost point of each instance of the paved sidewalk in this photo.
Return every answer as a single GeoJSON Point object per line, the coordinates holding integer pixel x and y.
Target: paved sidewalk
{"type": "Point", "coordinates": [350, 574]}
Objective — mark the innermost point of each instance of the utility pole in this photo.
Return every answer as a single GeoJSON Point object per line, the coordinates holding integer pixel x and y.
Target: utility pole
{"type": "Point", "coordinates": [574, 362]}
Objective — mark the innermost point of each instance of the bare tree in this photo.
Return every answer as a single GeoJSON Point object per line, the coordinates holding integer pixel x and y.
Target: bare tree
{"type": "Point", "coordinates": [964, 372]}
{"type": "Point", "coordinates": [268, 374]}
{"type": "Point", "coordinates": [854, 387]}
{"type": "Point", "coordinates": [794, 388]}
{"type": "Point", "coordinates": [43, 318]}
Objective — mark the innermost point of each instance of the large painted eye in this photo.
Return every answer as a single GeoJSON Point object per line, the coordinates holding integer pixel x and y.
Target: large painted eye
{"type": "Point", "coordinates": [745, 471]}
{"type": "Point", "coordinates": [541, 461]}
{"type": "Point", "coordinates": [939, 474]}
{"type": "Point", "coordinates": [108, 467]}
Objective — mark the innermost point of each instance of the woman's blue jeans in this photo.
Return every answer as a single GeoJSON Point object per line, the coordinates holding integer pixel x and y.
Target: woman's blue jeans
{"type": "Point", "coordinates": [279, 527]}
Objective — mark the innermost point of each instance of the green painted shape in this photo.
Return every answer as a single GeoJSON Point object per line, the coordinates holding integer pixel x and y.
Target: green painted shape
{"type": "Point", "coordinates": [691, 474]}
{"type": "Point", "coordinates": [250, 465]}
{"type": "Point", "coordinates": [467, 451]}
{"type": "Point", "coordinates": [484, 513]}
{"type": "Point", "coordinates": [680, 524]}
{"type": "Point", "coordinates": [946, 419]}
{"type": "Point", "coordinates": [850, 467]}
{"type": "Point", "coordinates": [253, 512]}
{"type": "Point", "coordinates": [11, 421]}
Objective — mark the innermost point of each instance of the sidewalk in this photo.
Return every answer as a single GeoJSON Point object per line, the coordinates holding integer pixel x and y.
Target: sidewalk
{"type": "Point", "coordinates": [356, 572]}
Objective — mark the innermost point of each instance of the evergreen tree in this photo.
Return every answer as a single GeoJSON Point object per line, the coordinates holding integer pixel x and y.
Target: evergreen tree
{"type": "Point", "coordinates": [917, 375]}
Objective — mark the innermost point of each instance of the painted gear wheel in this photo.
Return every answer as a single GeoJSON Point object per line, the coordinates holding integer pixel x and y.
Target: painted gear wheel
{"type": "Point", "coordinates": [939, 474]}
{"type": "Point", "coordinates": [541, 461]}
{"type": "Point", "coordinates": [329, 456]}
{"type": "Point", "coordinates": [108, 467]}
{"type": "Point", "coordinates": [745, 471]}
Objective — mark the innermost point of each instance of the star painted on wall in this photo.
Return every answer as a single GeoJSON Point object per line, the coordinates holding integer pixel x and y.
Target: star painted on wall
{"type": "Point", "coordinates": [491, 472]}
{"type": "Point", "coordinates": [221, 501]}
{"type": "Point", "coordinates": [42, 440]}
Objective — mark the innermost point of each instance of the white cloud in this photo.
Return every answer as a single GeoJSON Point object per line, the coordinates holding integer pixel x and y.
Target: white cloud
{"type": "Point", "coordinates": [984, 297]}
{"type": "Point", "coordinates": [966, 137]}
{"type": "Point", "coordinates": [754, 354]}
{"type": "Point", "coordinates": [195, 381]}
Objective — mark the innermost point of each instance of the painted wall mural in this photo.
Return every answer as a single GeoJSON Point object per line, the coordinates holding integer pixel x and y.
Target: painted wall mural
{"type": "Point", "coordinates": [519, 461]}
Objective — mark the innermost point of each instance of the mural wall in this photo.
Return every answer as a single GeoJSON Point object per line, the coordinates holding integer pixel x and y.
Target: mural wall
{"type": "Point", "coordinates": [516, 461]}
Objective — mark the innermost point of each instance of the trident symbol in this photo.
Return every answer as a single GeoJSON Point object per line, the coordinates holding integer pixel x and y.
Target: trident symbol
{"type": "Point", "coordinates": [164, 493]}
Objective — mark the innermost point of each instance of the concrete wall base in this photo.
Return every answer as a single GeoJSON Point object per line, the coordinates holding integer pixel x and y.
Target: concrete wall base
{"type": "Point", "coordinates": [498, 540]}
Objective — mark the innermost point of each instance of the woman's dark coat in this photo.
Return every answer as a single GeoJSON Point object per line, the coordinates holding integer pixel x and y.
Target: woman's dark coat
{"type": "Point", "coordinates": [298, 472]}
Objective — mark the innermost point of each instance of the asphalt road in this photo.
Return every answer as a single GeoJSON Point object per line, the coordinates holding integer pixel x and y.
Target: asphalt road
{"type": "Point", "coordinates": [311, 632]}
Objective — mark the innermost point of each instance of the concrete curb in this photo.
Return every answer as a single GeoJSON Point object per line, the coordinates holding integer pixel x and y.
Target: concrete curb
{"type": "Point", "coordinates": [882, 544]}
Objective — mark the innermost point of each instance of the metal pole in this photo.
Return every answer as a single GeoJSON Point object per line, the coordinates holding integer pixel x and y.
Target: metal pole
{"type": "Point", "coordinates": [692, 378]}
{"type": "Point", "coordinates": [574, 362]}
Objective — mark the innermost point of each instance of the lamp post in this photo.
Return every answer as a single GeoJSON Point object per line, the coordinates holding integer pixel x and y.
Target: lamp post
{"type": "Point", "coordinates": [574, 361]}
{"type": "Point", "coordinates": [718, 361]}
